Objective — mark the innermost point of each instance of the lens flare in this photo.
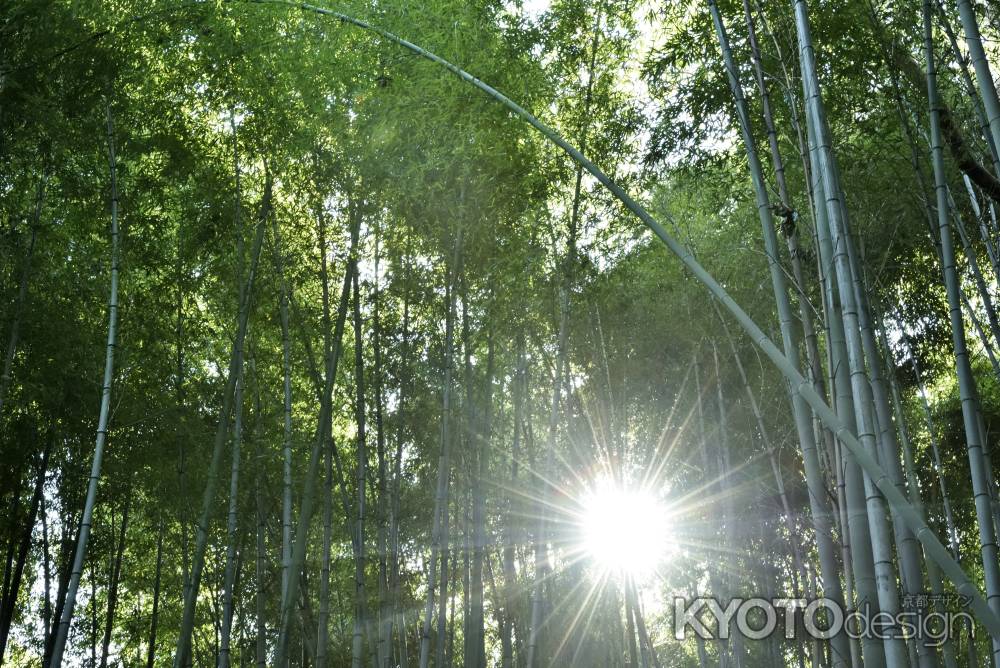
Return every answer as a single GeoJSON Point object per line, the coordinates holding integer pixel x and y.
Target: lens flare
{"type": "Point", "coordinates": [624, 531]}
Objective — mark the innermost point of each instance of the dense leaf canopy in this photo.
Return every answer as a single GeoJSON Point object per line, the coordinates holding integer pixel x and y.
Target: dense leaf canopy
{"type": "Point", "coordinates": [378, 343]}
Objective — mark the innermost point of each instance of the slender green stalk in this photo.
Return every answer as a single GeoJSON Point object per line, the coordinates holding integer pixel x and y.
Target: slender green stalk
{"type": "Point", "coordinates": [443, 474]}
{"type": "Point", "coordinates": [933, 575]}
{"type": "Point", "coordinates": [966, 383]}
{"type": "Point", "coordinates": [970, 87]}
{"type": "Point", "coordinates": [932, 438]}
{"type": "Point", "coordinates": [853, 317]}
{"type": "Point", "coordinates": [86, 521]}
{"type": "Point", "coordinates": [787, 211]}
{"type": "Point", "coordinates": [114, 581]}
{"type": "Point", "coordinates": [731, 565]}
{"type": "Point", "coordinates": [394, 579]}
{"type": "Point", "coordinates": [323, 619]}
{"type": "Point", "coordinates": [510, 535]}
{"type": "Point", "coordinates": [798, 569]}
{"type": "Point", "coordinates": [260, 565]}
{"type": "Point", "coordinates": [321, 440]}
{"type": "Point", "coordinates": [907, 547]}
{"type": "Point", "coordinates": [183, 648]}
{"type": "Point", "coordinates": [361, 479]}
{"type": "Point", "coordinates": [541, 548]}
{"type": "Point", "coordinates": [803, 422]}
{"type": "Point", "coordinates": [232, 539]}
{"type": "Point", "coordinates": [977, 274]}
{"type": "Point", "coordinates": [711, 481]}
{"type": "Point", "coordinates": [155, 614]}
{"type": "Point", "coordinates": [229, 577]}
{"type": "Point", "coordinates": [385, 612]}
{"type": "Point", "coordinates": [981, 334]}
{"type": "Point", "coordinates": [852, 515]}
{"type": "Point", "coordinates": [286, 444]}
{"type": "Point", "coordinates": [987, 87]}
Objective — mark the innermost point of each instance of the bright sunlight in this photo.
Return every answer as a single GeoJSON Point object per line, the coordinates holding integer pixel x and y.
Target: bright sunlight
{"type": "Point", "coordinates": [625, 531]}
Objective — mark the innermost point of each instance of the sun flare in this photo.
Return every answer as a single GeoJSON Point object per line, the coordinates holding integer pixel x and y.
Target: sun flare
{"type": "Point", "coordinates": [624, 531]}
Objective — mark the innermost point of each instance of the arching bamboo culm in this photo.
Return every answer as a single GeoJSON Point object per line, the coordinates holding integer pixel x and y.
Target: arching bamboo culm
{"type": "Point", "coordinates": [799, 384]}
{"type": "Point", "coordinates": [62, 633]}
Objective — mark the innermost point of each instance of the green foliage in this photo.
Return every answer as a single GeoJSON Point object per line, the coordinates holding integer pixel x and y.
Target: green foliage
{"type": "Point", "coordinates": [343, 120]}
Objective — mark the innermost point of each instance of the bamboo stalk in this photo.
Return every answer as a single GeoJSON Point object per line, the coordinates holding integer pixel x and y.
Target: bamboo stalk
{"type": "Point", "coordinates": [966, 382]}
{"type": "Point", "coordinates": [984, 78]}
{"type": "Point", "coordinates": [803, 423]}
{"type": "Point", "coordinates": [439, 537]}
{"type": "Point", "coordinates": [322, 438]}
{"type": "Point", "coordinates": [86, 520]}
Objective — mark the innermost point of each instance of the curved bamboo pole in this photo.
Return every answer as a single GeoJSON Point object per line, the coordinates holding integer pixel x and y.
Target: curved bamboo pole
{"type": "Point", "coordinates": [102, 421]}
{"type": "Point", "coordinates": [799, 384]}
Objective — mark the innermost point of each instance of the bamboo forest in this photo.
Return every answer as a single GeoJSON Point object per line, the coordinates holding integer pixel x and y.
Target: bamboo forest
{"type": "Point", "coordinates": [500, 333]}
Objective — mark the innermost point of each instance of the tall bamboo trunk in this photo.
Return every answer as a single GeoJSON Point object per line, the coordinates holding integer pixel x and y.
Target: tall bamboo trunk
{"type": "Point", "coordinates": [787, 210]}
{"type": "Point", "coordinates": [86, 520]}
{"type": "Point", "coordinates": [113, 582]}
{"type": "Point", "coordinates": [540, 538]}
{"type": "Point", "coordinates": [323, 619]}
{"type": "Point", "coordinates": [510, 535]}
{"type": "Point", "coordinates": [984, 233]}
{"type": "Point", "coordinates": [853, 314]}
{"type": "Point", "coordinates": [93, 615]}
{"type": "Point", "coordinates": [633, 653]}
{"type": "Point", "coordinates": [648, 651]}
{"type": "Point", "coordinates": [798, 570]}
{"type": "Point", "coordinates": [322, 439]}
{"type": "Point", "coordinates": [439, 537]}
{"type": "Point", "coordinates": [64, 567]}
{"type": "Point", "coordinates": [184, 512]}
{"type": "Point", "coordinates": [155, 615]}
{"type": "Point", "coordinates": [286, 443]}
{"type": "Point", "coordinates": [394, 574]}
{"type": "Point", "coordinates": [46, 575]}
{"type": "Point", "coordinates": [970, 88]}
{"type": "Point", "coordinates": [977, 275]}
{"type": "Point", "coordinates": [935, 450]}
{"type": "Point", "coordinates": [814, 477]}
{"type": "Point", "coordinates": [854, 515]}
{"type": "Point", "coordinates": [360, 559]}
{"type": "Point", "coordinates": [260, 564]}
{"type": "Point", "coordinates": [730, 564]}
{"type": "Point", "coordinates": [385, 613]}
{"type": "Point", "coordinates": [984, 77]}
{"type": "Point", "coordinates": [232, 539]}
{"type": "Point", "coordinates": [966, 383]}
{"type": "Point", "coordinates": [322, 632]}
{"type": "Point", "coordinates": [232, 526]}
{"type": "Point", "coordinates": [711, 481]}
{"type": "Point", "coordinates": [181, 654]}
{"type": "Point", "coordinates": [15, 566]}
{"type": "Point", "coordinates": [907, 547]}
{"type": "Point", "coordinates": [441, 657]}
{"type": "Point", "coordinates": [933, 574]}
{"type": "Point", "coordinates": [478, 512]}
